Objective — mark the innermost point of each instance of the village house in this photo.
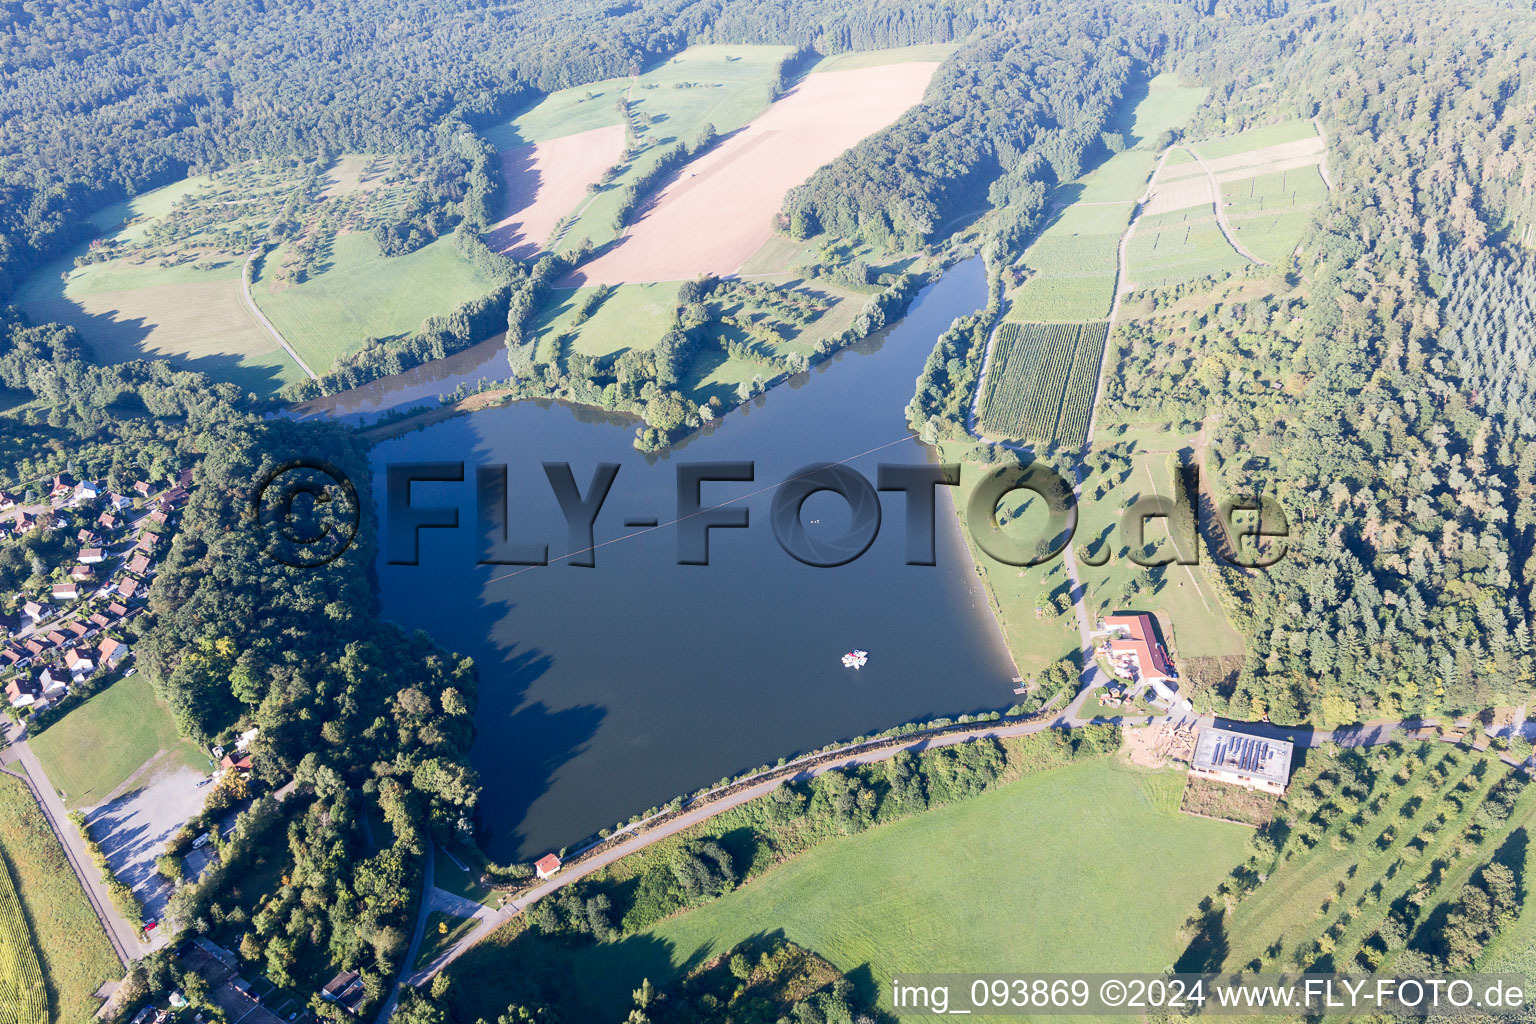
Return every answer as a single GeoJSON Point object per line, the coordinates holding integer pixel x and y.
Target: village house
{"type": "Point", "coordinates": [79, 664]}
{"type": "Point", "coordinates": [99, 620]}
{"type": "Point", "coordinates": [119, 501]}
{"type": "Point", "coordinates": [25, 524]}
{"type": "Point", "coordinates": [112, 652]}
{"type": "Point", "coordinates": [23, 691]}
{"type": "Point", "coordinates": [128, 587]}
{"type": "Point", "coordinates": [81, 573]}
{"type": "Point", "coordinates": [85, 538]}
{"type": "Point", "coordinates": [35, 646]}
{"type": "Point", "coordinates": [62, 484]}
{"type": "Point", "coordinates": [158, 516]}
{"type": "Point", "coordinates": [107, 521]}
{"type": "Point", "coordinates": [116, 610]}
{"type": "Point", "coordinates": [76, 628]}
{"type": "Point", "coordinates": [92, 556]}
{"type": "Point", "coordinates": [66, 591]}
{"type": "Point", "coordinates": [87, 490]}
{"type": "Point", "coordinates": [138, 565]}
{"type": "Point", "coordinates": [1135, 654]}
{"type": "Point", "coordinates": [345, 990]}
{"type": "Point", "coordinates": [142, 488]}
{"type": "Point", "coordinates": [546, 865]}
{"type": "Point", "coordinates": [7, 501]}
{"type": "Point", "coordinates": [54, 682]}
{"type": "Point", "coordinates": [173, 498]}
{"type": "Point", "coordinates": [184, 478]}
{"type": "Point", "coordinates": [36, 610]}
{"type": "Point", "coordinates": [147, 541]}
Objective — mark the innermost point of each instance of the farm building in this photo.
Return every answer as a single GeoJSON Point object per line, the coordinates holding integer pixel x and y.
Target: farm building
{"type": "Point", "coordinates": [1242, 759]}
{"type": "Point", "coordinates": [1136, 654]}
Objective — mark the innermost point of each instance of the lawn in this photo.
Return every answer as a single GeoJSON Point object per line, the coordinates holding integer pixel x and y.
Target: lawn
{"type": "Point", "coordinates": [1167, 106]}
{"type": "Point", "coordinates": [1079, 868]}
{"type": "Point", "coordinates": [358, 295]}
{"type": "Point", "coordinates": [67, 938]}
{"type": "Point", "coordinates": [443, 930]}
{"type": "Point", "coordinates": [94, 749]}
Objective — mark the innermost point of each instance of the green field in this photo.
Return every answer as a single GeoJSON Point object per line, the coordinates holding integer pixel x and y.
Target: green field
{"type": "Point", "coordinates": [1042, 381]}
{"type": "Point", "coordinates": [165, 281]}
{"type": "Point", "coordinates": [192, 315]}
{"type": "Point", "coordinates": [1183, 245]}
{"type": "Point", "coordinates": [1257, 138]}
{"type": "Point", "coordinates": [96, 747]}
{"type": "Point", "coordinates": [1072, 265]}
{"type": "Point", "coordinates": [359, 295]}
{"type": "Point", "coordinates": [720, 85]}
{"type": "Point", "coordinates": [1270, 212]}
{"type": "Point", "coordinates": [853, 60]}
{"type": "Point", "coordinates": [630, 316]}
{"type": "Point", "coordinates": [1069, 869]}
{"type": "Point", "coordinates": [66, 938]}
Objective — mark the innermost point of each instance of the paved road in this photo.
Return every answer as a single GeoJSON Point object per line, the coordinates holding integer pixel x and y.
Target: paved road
{"type": "Point", "coordinates": [1221, 208]}
{"type": "Point", "coordinates": [429, 862]}
{"type": "Point", "coordinates": [123, 936]}
{"type": "Point", "coordinates": [261, 318]}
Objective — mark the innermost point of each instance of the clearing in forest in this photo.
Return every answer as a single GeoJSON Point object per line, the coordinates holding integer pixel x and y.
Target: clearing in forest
{"type": "Point", "coordinates": [1070, 271]}
{"type": "Point", "coordinates": [1271, 180]}
{"type": "Point", "coordinates": [163, 279]}
{"type": "Point", "coordinates": [718, 210]}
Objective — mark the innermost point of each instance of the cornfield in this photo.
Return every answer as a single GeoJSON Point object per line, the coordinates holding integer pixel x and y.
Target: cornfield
{"type": "Point", "coordinates": [1042, 382]}
{"type": "Point", "coordinates": [23, 999]}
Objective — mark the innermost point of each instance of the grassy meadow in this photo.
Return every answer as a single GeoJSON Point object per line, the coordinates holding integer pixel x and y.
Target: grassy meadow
{"type": "Point", "coordinates": [96, 747]}
{"type": "Point", "coordinates": [1270, 212]}
{"type": "Point", "coordinates": [66, 938]}
{"type": "Point", "coordinates": [1066, 869]}
{"type": "Point", "coordinates": [1277, 134]}
{"type": "Point", "coordinates": [358, 294]}
{"type": "Point", "coordinates": [1182, 245]}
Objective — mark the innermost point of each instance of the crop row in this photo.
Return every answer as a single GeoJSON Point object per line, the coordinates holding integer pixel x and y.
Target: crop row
{"type": "Point", "coordinates": [23, 998]}
{"type": "Point", "coordinates": [1043, 380]}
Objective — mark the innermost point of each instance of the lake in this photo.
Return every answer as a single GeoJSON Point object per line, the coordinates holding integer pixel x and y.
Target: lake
{"type": "Point", "coordinates": [607, 690]}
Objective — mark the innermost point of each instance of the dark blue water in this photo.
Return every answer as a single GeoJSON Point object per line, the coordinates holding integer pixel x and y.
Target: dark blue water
{"type": "Point", "coordinates": [606, 690]}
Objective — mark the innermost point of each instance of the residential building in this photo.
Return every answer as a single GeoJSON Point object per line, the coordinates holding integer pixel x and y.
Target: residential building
{"type": "Point", "coordinates": [128, 587]}
{"type": "Point", "coordinates": [92, 556]}
{"type": "Point", "coordinates": [1135, 653]}
{"type": "Point", "coordinates": [138, 565]}
{"type": "Point", "coordinates": [54, 681]}
{"type": "Point", "coordinates": [79, 664]}
{"type": "Point", "coordinates": [112, 652]}
{"type": "Point", "coordinates": [66, 591]}
{"type": "Point", "coordinates": [546, 865]}
{"type": "Point", "coordinates": [23, 691]}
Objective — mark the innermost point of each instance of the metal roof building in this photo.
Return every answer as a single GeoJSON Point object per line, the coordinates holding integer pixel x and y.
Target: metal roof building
{"type": "Point", "coordinates": [1243, 759]}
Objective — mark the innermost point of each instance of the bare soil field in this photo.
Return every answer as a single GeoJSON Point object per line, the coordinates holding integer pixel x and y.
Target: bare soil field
{"type": "Point", "coordinates": [719, 210]}
{"type": "Point", "coordinates": [546, 181]}
{"type": "Point", "coordinates": [1285, 156]}
{"type": "Point", "coordinates": [1168, 196]}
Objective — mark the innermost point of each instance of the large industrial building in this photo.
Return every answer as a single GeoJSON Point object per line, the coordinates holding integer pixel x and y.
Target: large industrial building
{"type": "Point", "coordinates": [1242, 759]}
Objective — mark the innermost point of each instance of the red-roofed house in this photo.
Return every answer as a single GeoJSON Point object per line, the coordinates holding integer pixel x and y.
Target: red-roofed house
{"type": "Point", "coordinates": [62, 485]}
{"type": "Point", "coordinates": [111, 651]}
{"type": "Point", "coordinates": [117, 610]}
{"type": "Point", "coordinates": [81, 573]}
{"type": "Point", "coordinates": [66, 591]}
{"type": "Point", "coordinates": [546, 865]}
{"type": "Point", "coordinates": [128, 587]}
{"type": "Point", "coordinates": [1135, 652]}
{"type": "Point", "coordinates": [139, 565]}
{"type": "Point", "coordinates": [22, 691]}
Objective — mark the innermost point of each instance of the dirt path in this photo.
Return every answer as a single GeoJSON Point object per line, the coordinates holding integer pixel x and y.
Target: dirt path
{"type": "Point", "coordinates": [261, 318]}
{"type": "Point", "coordinates": [1322, 162]}
{"type": "Point", "coordinates": [1221, 209]}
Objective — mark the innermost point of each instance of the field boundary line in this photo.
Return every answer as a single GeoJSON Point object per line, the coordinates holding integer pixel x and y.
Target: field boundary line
{"type": "Point", "coordinates": [261, 318]}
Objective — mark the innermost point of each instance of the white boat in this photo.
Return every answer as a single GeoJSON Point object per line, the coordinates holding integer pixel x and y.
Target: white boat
{"type": "Point", "coordinates": [855, 659]}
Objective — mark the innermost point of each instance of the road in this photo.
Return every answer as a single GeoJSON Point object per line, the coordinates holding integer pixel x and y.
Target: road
{"type": "Point", "coordinates": [261, 318]}
{"type": "Point", "coordinates": [1221, 208]}
{"type": "Point", "coordinates": [123, 936]}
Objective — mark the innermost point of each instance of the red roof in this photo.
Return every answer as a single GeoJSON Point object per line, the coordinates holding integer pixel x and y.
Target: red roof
{"type": "Point", "coordinates": [1138, 637]}
{"type": "Point", "coordinates": [547, 864]}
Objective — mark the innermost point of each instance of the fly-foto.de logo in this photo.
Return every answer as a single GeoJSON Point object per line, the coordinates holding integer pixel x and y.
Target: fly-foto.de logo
{"type": "Point", "coordinates": [713, 496]}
